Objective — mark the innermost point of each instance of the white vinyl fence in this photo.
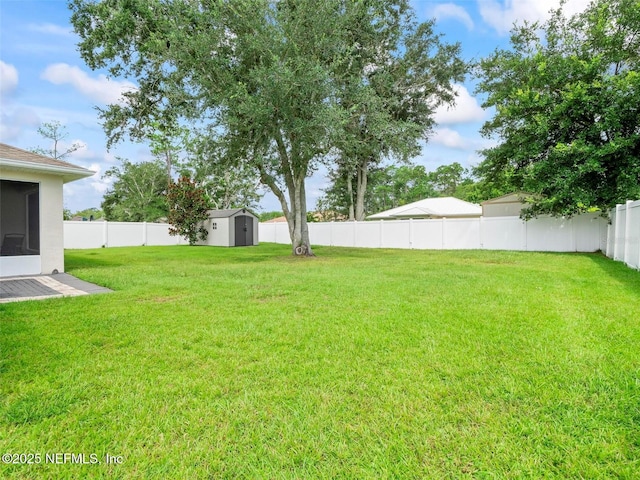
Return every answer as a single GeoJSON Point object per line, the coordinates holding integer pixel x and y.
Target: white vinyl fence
{"type": "Point", "coordinates": [623, 239]}
{"type": "Point", "coordinates": [117, 234]}
{"type": "Point", "coordinates": [584, 233]}
{"type": "Point", "coordinates": [619, 238]}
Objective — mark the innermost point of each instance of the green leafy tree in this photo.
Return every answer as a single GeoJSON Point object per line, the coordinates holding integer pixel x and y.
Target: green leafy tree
{"type": "Point", "coordinates": [137, 193]}
{"type": "Point", "coordinates": [255, 74]}
{"type": "Point", "coordinates": [388, 187]}
{"type": "Point", "coordinates": [89, 213]}
{"type": "Point", "coordinates": [447, 178]}
{"type": "Point", "coordinates": [228, 184]}
{"type": "Point", "coordinates": [270, 215]}
{"type": "Point", "coordinates": [399, 73]}
{"type": "Point", "coordinates": [188, 208]}
{"type": "Point", "coordinates": [56, 133]}
{"type": "Point", "coordinates": [566, 97]}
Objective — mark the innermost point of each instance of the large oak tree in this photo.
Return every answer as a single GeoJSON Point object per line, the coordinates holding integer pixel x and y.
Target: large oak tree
{"type": "Point", "coordinates": [254, 75]}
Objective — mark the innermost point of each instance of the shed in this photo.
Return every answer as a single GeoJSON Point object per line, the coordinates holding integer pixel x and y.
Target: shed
{"type": "Point", "coordinates": [509, 205]}
{"type": "Point", "coordinates": [236, 227]}
{"type": "Point", "coordinates": [439, 207]}
{"type": "Point", "coordinates": [31, 220]}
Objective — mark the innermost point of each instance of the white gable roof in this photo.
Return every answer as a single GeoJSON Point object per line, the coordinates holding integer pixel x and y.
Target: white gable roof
{"type": "Point", "coordinates": [432, 208]}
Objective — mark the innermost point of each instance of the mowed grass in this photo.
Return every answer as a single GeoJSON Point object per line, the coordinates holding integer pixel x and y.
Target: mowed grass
{"type": "Point", "coordinates": [247, 363]}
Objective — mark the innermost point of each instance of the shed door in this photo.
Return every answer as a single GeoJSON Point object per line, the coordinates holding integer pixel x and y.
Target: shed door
{"type": "Point", "coordinates": [244, 230]}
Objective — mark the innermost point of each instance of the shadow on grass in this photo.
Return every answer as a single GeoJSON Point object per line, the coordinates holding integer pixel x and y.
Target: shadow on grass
{"type": "Point", "coordinates": [618, 271]}
{"type": "Point", "coordinates": [75, 260]}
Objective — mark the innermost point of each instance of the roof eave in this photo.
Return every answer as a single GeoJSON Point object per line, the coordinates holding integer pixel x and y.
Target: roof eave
{"type": "Point", "coordinates": [68, 174]}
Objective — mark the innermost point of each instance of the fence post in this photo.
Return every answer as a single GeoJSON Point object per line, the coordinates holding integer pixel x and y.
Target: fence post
{"type": "Point", "coordinates": [144, 233]}
{"type": "Point", "coordinates": [444, 223]}
{"type": "Point", "coordinates": [481, 231]}
{"type": "Point", "coordinates": [381, 234]}
{"type": "Point", "coordinates": [611, 233]}
{"type": "Point", "coordinates": [105, 234]}
{"type": "Point", "coordinates": [410, 233]}
{"type": "Point", "coordinates": [355, 233]}
{"type": "Point", "coordinates": [627, 233]}
{"type": "Point", "coordinates": [616, 234]}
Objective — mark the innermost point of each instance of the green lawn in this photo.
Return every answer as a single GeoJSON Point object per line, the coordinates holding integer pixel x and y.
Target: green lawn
{"type": "Point", "coordinates": [247, 363]}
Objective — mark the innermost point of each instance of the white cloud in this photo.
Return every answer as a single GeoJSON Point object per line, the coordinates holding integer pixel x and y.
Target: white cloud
{"type": "Point", "coordinates": [8, 78]}
{"type": "Point", "coordinates": [449, 10]}
{"type": "Point", "coordinates": [13, 123]}
{"type": "Point", "coordinates": [50, 28]}
{"type": "Point", "coordinates": [100, 89]}
{"type": "Point", "coordinates": [449, 138]}
{"type": "Point", "coordinates": [501, 15]}
{"type": "Point", "coordinates": [466, 109]}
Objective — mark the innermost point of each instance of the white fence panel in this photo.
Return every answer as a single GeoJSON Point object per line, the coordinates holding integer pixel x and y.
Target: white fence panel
{"type": "Point", "coordinates": [503, 233]}
{"type": "Point", "coordinates": [619, 232]}
{"type": "Point", "coordinates": [461, 233]}
{"type": "Point", "coordinates": [125, 234]}
{"type": "Point", "coordinates": [397, 234]}
{"type": "Point", "coordinates": [282, 233]}
{"type": "Point", "coordinates": [158, 234]}
{"type": "Point", "coordinates": [320, 233]}
{"type": "Point", "coordinates": [623, 234]}
{"type": "Point", "coordinates": [550, 235]}
{"type": "Point", "coordinates": [117, 234]}
{"type": "Point", "coordinates": [84, 234]}
{"type": "Point", "coordinates": [427, 234]}
{"type": "Point", "coordinates": [585, 233]}
{"type": "Point", "coordinates": [368, 235]}
{"type": "Point", "coordinates": [267, 232]}
{"type": "Point", "coordinates": [342, 234]}
{"type": "Point", "coordinates": [632, 249]}
{"type": "Point", "coordinates": [590, 232]}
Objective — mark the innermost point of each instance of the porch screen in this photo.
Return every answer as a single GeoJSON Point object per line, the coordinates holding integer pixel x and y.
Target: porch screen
{"type": "Point", "coordinates": [19, 218]}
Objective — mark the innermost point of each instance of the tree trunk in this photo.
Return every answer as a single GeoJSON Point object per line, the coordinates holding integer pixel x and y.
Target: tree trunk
{"type": "Point", "coordinates": [352, 216]}
{"type": "Point", "coordinates": [361, 189]}
{"type": "Point", "coordinates": [297, 219]}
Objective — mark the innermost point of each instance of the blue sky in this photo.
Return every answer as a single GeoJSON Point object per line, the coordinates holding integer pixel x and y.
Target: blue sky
{"type": "Point", "coordinates": [43, 79]}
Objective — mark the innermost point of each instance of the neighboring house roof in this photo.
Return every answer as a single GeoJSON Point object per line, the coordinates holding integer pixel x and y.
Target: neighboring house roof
{"type": "Point", "coordinates": [12, 158]}
{"type": "Point", "coordinates": [432, 208]}
{"type": "Point", "coordinates": [282, 219]}
{"type": "Point", "coordinates": [515, 197]}
{"type": "Point", "coordinates": [228, 212]}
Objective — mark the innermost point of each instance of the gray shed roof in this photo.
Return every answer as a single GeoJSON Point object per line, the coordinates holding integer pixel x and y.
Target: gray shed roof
{"type": "Point", "coordinates": [12, 158]}
{"type": "Point", "coordinates": [229, 212]}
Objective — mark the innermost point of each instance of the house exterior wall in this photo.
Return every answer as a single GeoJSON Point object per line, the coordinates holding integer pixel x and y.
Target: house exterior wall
{"type": "Point", "coordinates": [506, 209]}
{"type": "Point", "coordinates": [51, 228]}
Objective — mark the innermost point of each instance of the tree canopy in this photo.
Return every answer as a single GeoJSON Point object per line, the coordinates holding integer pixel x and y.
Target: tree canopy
{"type": "Point", "coordinates": [137, 193]}
{"type": "Point", "coordinates": [399, 72]}
{"type": "Point", "coordinates": [566, 99]}
{"type": "Point", "coordinates": [391, 186]}
{"type": "Point", "coordinates": [274, 84]}
{"type": "Point", "coordinates": [188, 207]}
